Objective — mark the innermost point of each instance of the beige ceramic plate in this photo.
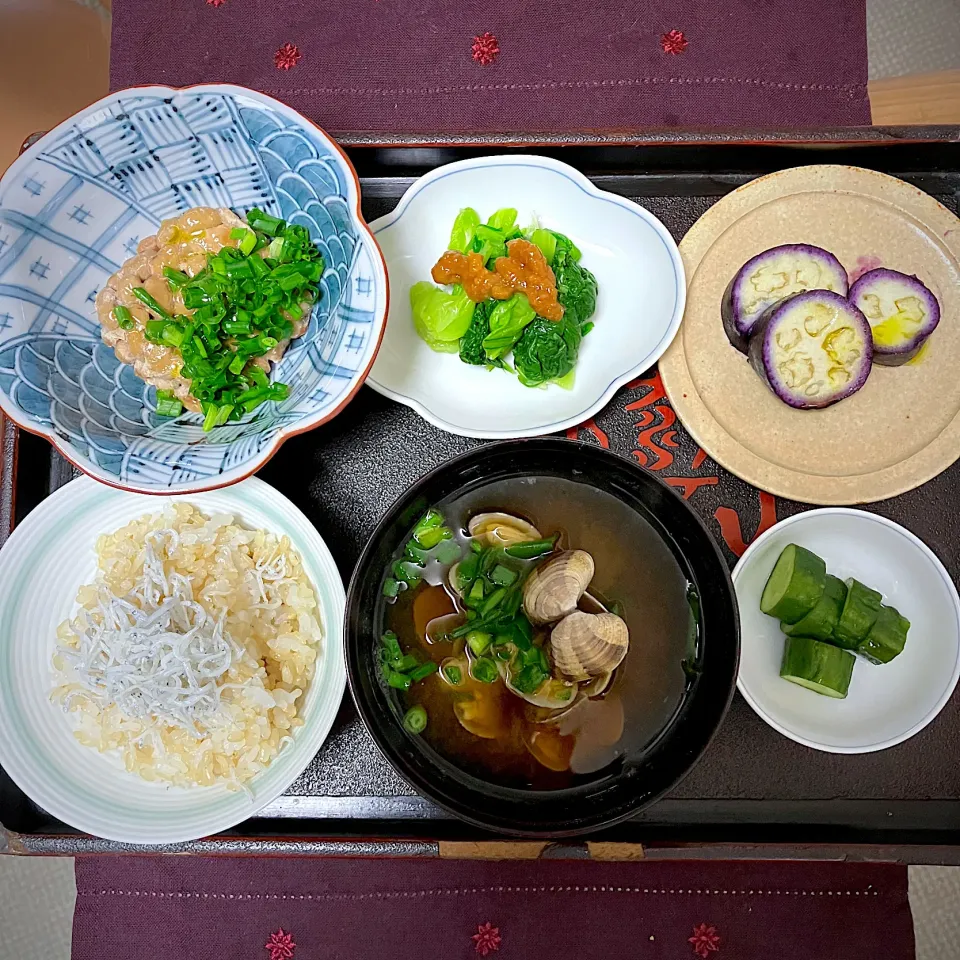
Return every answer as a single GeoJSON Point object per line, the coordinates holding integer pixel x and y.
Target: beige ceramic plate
{"type": "Point", "coordinates": [903, 426]}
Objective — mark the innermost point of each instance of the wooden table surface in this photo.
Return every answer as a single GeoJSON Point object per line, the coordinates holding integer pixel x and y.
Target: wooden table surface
{"type": "Point", "coordinates": [924, 98]}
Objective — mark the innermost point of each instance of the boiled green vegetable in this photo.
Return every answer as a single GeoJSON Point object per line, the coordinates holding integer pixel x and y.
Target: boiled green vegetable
{"type": "Point", "coordinates": [507, 321]}
{"type": "Point", "coordinates": [818, 666]}
{"type": "Point", "coordinates": [795, 585]}
{"type": "Point", "coordinates": [546, 351]}
{"type": "Point", "coordinates": [860, 611]}
{"type": "Point", "coordinates": [471, 344]}
{"type": "Point", "coordinates": [566, 245]}
{"type": "Point", "coordinates": [464, 228]}
{"type": "Point", "coordinates": [484, 334]}
{"type": "Point", "coordinates": [504, 220]}
{"type": "Point", "coordinates": [576, 287]}
{"type": "Point", "coordinates": [821, 621]}
{"type": "Point", "coordinates": [886, 638]}
{"type": "Point", "coordinates": [546, 240]}
{"type": "Point", "coordinates": [441, 318]}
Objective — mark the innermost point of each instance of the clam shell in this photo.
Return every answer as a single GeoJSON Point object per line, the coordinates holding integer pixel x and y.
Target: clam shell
{"type": "Point", "coordinates": [501, 529]}
{"type": "Point", "coordinates": [585, 645]}
{"type": "Point", "coordinates": [554, 589]}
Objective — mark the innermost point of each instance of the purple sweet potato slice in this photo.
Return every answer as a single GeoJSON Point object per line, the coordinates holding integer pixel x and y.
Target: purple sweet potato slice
{"type": "Point", "coordinates": [770, 277]}
{"type": "Point", "coordinates": [901, 312]}
{"type": "Point", "coordinates": [812, 349]}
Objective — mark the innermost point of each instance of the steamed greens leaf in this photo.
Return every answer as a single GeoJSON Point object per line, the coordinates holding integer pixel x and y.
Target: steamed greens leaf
{"type": "Point", "coordinates": [547, 350]}
{"type": "Point", "coordinates": [490, 238]}
{"type": "Point", "coordinates": [504, 220]}
{"type": "Point", "coordinates": [471, 345]}
{"type": "Point", "coordinates": [490, 243]}
{"type": "Point", "coordinates": [576, 286]}
{"type": "Point", "coordinates": [440, 318]}
{"type": "Point", "coordinates": [546, 240]}
{"type": "Point", "coordinates": [565, 243]}
{"type": "Point", "coordinates": [464, 229]}
{"type": "Point", "coordinates": [507, 321]}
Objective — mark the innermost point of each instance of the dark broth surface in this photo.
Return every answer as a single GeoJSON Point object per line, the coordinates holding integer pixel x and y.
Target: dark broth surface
{"type": "Point", "coordinates": [635, 568]}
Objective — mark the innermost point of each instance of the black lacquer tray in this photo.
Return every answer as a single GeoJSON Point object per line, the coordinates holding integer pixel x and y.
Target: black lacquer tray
{"type": "Point", "coordinates": [752, 785]}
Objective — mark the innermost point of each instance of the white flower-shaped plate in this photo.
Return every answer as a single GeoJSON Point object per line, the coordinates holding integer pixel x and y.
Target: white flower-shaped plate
{"type": "Point", "coordinates": [42, 565]}
{"type": "Point", "coordinates": [885, 704]}
{"type": "Point", "coordinates": [639, 306]}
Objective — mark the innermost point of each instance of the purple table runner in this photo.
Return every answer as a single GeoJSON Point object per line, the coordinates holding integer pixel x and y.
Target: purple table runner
{"type": "Point", "coordinates": [465, 66]}
{"type": "Point", "coordinates": [192, 908]}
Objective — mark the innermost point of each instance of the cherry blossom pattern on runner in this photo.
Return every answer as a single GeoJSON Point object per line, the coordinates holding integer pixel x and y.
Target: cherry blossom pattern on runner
{"type": "Point", "coordinates": [705, 940]}
{"type": "Point", "coordinates": [674, 42]}
{"type": "Point", "coordinates": [487, 938]}
{"type": "Point", "coordinates": [287, 56]}
{"type": "Point", "coordinates": [485, 49]}
{"type": "Point", "coordinates": [216, 3]}
{"type": "Point", "coordinates": [280, 946]}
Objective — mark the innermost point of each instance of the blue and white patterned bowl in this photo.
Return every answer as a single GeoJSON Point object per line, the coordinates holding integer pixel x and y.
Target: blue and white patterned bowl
{"type": "Point", "coordinates": [74, 206]}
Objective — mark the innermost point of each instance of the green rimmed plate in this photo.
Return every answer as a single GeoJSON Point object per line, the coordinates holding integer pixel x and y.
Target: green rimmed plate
{"type": "Point", "coordinates": [42, 565]}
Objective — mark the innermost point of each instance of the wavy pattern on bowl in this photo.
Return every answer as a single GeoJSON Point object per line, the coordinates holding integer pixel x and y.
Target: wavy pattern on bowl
{"type": "Point", "coordinates": [74, 207]}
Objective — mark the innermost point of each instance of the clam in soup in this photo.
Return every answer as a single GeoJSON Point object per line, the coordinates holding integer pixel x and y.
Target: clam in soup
{"type": "Point", "coordinates": [536, 630]}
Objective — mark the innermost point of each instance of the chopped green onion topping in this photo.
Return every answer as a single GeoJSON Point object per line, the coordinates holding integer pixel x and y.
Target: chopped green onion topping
{"type": "Point", "coordinates": [398, 681]}
{"type": "Point", "coordinates": [123, 317]}
{"type": "Point", "coordinates": [530, 678]}
{"type": "Point", "coordinates": [415, 720]}
{"type": "Point", "coordinates": [478, 642]}
{"type": "Point", "coordinates": [423, 671]}
{"type": "Point", "coordinates": [484, 670]}
{"type": "Point", "coordinates": [150, 303]}
{"type": "Point", "coordinates": [175, 278]}
{"type": "Point", "coordinates": [392, 645]}
{"type": "Point", "coordinates": [168, 405]}
{"type": "Point", "coordinates": [453, 674]}
{"type": "Point", "coordinates": [245, 302]}
{"type": "Point", "coordinates": [533, 549]}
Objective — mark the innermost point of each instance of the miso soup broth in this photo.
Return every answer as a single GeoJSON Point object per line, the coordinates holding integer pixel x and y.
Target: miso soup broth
{"type": "Point", "coordinates": [577, 728]}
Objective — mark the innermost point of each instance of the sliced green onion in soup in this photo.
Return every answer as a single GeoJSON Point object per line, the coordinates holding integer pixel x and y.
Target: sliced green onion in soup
{"type": "Point", "coordinates": [415, 720]}
{"type": "Point", "coordinates": [484, 670]}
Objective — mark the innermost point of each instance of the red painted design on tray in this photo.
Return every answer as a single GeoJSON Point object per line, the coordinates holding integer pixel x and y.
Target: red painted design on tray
{"type": "Point", "coordinates": [287, 56]}
{"type": "Point", "coordinates": [280, 945]}
{"type": "Point", "coordinates": [656, 438]}
{"type": "Point", "coordinates": [688, 486]}
{"type": "Point", "coordinates": [655, 418]}
{"type": "Point", "coordinates": [704, 940]}
{"type": "Point", "coordinates": [487, 938]}
{"type": "Point", "coordinates": [485, 49]}
{"type": "Point", "coordinates": [729, 521]}
{"type": "Point", "coordinates": [674, 42]}
{"type": "Point", "coordinates": [573, 433]}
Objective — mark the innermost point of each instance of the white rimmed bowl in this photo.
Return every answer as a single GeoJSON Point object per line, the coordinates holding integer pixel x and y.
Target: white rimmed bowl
{"type": "Point", "coordinates": [73, 208]}
{"type": "Point", "coordinates": [43, 563]}
{"type": "Point", "coordinates": [639, 306]}
{"type": "Point", "coordinates": [886, 704]}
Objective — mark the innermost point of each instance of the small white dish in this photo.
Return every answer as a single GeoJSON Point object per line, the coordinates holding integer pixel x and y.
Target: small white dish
{"type": "Point", "coordinates": [886, 704]}
{"type": "Point", "coordinates": [639, 306]}
{"type": "Point", "coordinates": [42, 565]}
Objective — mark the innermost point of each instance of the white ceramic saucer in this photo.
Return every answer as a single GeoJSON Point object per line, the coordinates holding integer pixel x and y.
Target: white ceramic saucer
{"type": "Point", "coordinates": [885, 704]}
{"type": "Point", "coordinates": [639, 306]}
